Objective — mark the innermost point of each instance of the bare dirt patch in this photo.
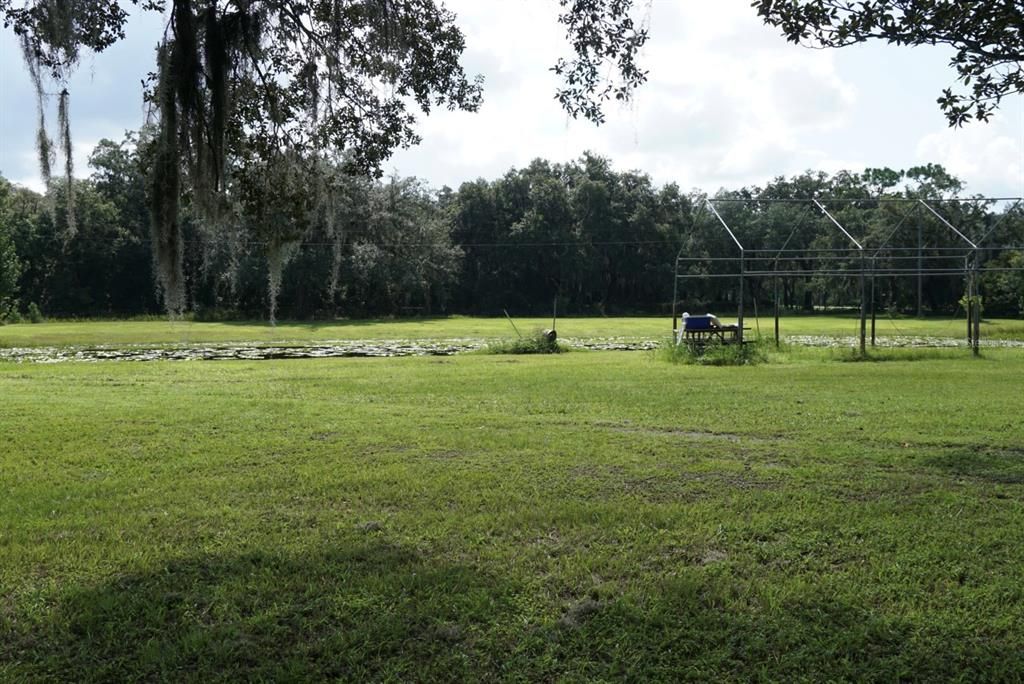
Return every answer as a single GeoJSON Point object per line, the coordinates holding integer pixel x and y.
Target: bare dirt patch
{"type": "Point", "coordinates": [712, 556]}
{"type": "Point", "coordinates": [672, 486]}
{"type": "Point", "coordinates": [632, 428]}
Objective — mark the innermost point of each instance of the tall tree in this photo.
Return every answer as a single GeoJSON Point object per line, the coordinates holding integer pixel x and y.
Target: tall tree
{"type": "Point", "coordinates": [10, 266]}
{"type": "Point", "coordinates": [242, 84]}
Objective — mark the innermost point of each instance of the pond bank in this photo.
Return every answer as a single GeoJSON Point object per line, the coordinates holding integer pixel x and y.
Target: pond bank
{"type": "Point", "coordinates": [252, 352]}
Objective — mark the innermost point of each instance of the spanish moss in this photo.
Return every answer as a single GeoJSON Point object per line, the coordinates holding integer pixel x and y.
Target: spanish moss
{"type": "Point", "coordinates": [251, 82]}
{"type": "Point", "coordinates": [60, 33]}
{"type": "Point", "coordinates": [337, 255]}
{"type": "Point", "coordinates": [165, 185]}
{"type": "Point", "coordinates": [64, 127]}
{"type": "Point", "coordinates": [44, 146]}
{"type": "Point", "coordinates": [279, 253]}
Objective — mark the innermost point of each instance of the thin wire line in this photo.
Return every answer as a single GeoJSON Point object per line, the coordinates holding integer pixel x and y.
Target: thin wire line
{"type": "Point", "coordinates": [261, 243]}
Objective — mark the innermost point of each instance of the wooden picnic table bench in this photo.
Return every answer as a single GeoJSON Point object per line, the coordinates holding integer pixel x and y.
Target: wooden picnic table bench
{"type": "Point", "coordinates": [700, 330]}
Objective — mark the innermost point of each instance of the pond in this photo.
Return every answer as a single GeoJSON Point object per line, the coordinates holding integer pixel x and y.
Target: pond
{"type": "Point", "coordinates": [252, 352]}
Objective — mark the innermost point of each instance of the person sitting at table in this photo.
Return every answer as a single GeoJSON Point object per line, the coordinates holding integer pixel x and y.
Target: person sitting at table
{"type": "Point", "coordinates": [713, 321]}
{"type": "Point", "coordinates": [695, 324]}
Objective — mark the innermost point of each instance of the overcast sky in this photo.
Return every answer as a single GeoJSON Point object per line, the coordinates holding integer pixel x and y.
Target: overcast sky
{"type": "Point", "coordinates": [728, 103]}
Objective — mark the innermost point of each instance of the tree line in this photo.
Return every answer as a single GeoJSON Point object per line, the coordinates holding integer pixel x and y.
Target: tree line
{"type": "Point", "coordinates": [256, 106]}
{"type": "Point", "coordinates": [594, 239]}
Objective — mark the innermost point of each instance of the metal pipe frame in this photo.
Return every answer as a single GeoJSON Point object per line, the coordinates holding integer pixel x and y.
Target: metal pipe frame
{"type": "Point", "coordinates": [969, 270]}
{"type": "Point", "coordinates": [878, 200]}
{"type": "Point", "coordinates": [739, 313]}
{"type": "Point", "coordinates": [948, 224]}
{"type": "Point", "coordinates": [847, 274]}
{"type": "Point", "coordinates": [675, 283]}
{"type": "Point", "coordinates": [973, 307]}
{"type": "Point", "coordinates": [725, 225]}
{"type": "Point", "coordinates": [997, 223]}
{"type": "Point", "coordinates": [825, 259]}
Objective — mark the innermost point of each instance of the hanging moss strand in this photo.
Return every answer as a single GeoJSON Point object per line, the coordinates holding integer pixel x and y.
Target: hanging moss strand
{"type": "Point", "coordinates": [165, 185]}
{"type": "Point", "coordinates": [64, 126]}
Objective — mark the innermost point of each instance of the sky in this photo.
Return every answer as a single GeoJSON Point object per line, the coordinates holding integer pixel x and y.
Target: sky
{"type": "Point", "coordinates": [728, 103]}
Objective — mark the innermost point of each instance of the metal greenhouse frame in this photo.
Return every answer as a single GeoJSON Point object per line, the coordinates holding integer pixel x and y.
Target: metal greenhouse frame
{"type": "Point", "coordinates": [962, 258]}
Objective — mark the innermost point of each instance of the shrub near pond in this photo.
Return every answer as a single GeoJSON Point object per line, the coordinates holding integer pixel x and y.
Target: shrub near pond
{"type": "Point", "coordinates": [542, 342]}
{"type": "Point", "coordinates": [714, 354]}
{"type": "Point", "coordinates": [34, 315]}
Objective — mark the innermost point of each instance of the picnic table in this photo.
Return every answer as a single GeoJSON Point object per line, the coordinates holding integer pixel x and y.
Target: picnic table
{"type": "Point", "coordinates": [700, 330]}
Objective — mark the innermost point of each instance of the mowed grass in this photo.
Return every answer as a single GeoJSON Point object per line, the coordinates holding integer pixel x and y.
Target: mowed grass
{"type": "Point", "coordinates": [161, 332]}
{"type": "Point", "coordinates": [588, 516]}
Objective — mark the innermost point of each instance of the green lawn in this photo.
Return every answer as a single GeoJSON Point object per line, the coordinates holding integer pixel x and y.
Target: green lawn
{"type": "Point", "coordinates": [157, 332]}
{"type": "Point", "coordinates": [588, 516]}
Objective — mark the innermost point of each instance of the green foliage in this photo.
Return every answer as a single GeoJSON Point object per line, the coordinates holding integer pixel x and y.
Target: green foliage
{"type": "Point", "coordinates": [601, 517]}
{"type": "Point", "coordinates": [158, 331]}
{"type": "Point", "coordinates": [33, 313]}
{"type": "Point", "coordinates": [597, 239]}
{"type": "Point", "coordinates": [103, 270]}
{"type": "Point", "coordinates": [606, 41]}
{"type": "Point", "coordinates": [537, 343]}
{"type": "Point", "coordinates": [884, 355]}
{"type": "Point", "coordinates": [986, 38]}
{"type": "Point", "coordinates": [1004, 284]}
{"type": "Point", "coordinates": [204, 314]}
{"type": "Point", "coordinates": [750, 353]}
{"type": "Point", "coordinates": [10, 264]}
{"type": "Point", "coordinates": [976, 302]}
{"type": "Point", "coordinates": [281, 75]}
{"type": "Point", "coordinates": [277, 89]}
{"type": "Point", "coordinates": [244, 90]}
{"type": "Point", "coordinates": [593, 236]}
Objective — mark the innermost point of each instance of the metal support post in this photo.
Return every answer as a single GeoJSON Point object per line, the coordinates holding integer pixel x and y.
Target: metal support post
{"type": "Point", "coordinates": [863, 282]}
{"type": "Point", "coordinates": [872, 301]}
{"type": "Point", "coordinates": [920, 271]}
{"type": "Point", "coordinates": [970, 302]}
{"type": "Point", "coordinates": [977, 305]}
{"type": "Point", "coordinates": [776, 312]}
{"type": "Point", "coordinates": [863, 306]}
{"type": "Point", "coordinates": [711, 206]}
{"type": "Point", "coordinates": [743, 278]}
{"type": "Point", "coordinates": [675, 299]}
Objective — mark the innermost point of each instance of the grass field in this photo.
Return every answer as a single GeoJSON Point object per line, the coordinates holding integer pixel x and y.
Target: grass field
{"type": "Point", "coordinates": [159, 332]}
{"type": "Point", "coordinates": [588, 516]}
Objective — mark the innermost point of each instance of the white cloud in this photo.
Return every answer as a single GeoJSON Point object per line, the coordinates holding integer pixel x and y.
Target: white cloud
{"type": "Point", "coordinates": [989, 155]}
{"type": "Point", "coordinates": [106, 99]}
{"type": "Point", "coordinates": [728, 102]}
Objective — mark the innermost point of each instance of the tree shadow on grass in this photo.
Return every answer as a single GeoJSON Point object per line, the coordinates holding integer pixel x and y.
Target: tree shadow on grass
{"type": "Point", "coordinates": [991, 464]}
{"type": "Point", "coordinates": [373, 612]}
{"type": "Point", "coordinates": [697, 630]}
{"type": "Point", "coordinates": [380, 612]}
